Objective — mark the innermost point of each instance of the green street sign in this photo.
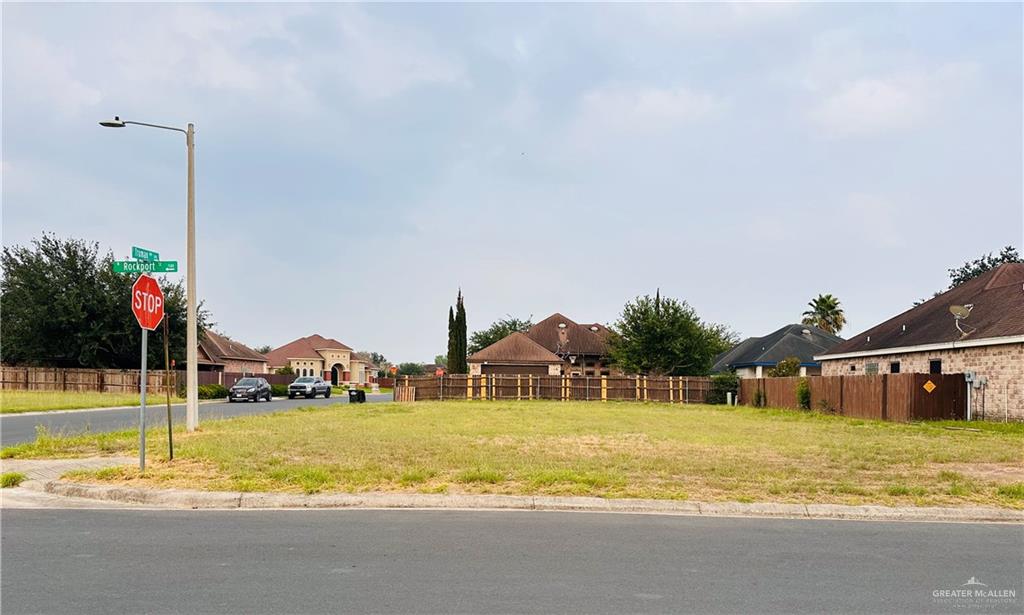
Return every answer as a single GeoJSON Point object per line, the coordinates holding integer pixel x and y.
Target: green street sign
{"type": "Point", "coordinates": [145, 267]}
{"type": "Point", "coordinates": [144, 255]}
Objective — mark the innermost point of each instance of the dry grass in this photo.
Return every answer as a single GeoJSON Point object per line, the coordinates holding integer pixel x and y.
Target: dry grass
{"type": "Point", "coordinates": [579, 448]}
{"type": "Point", "coordinates": [12, 402]}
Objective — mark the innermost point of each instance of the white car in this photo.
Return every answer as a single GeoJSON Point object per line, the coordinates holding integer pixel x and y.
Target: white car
{"type": "Point", "coordinates": [309, 387]}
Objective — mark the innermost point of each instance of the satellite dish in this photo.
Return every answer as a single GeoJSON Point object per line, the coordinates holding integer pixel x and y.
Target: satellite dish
{"type": "Point", "coordinates": [961, 311]}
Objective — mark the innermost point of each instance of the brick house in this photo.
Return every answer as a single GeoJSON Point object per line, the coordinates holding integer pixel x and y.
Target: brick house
{"type": "Point", "coordinates": [219, 353]}
{"type": "Point", "coordinates": [559, 346]}
{"type": "Point", "coordinates": [986, 338]}
{"type": "Point", "coordinates": [752, 356]}
{"type": "Point", "coordinates": [328, 358]}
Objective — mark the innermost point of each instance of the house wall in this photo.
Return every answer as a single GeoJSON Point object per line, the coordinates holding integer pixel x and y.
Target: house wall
{"type": "Point", "coordinates": [239, 366]}
{"type": "Point", "coordinates": [1002, 364]}
{"type": "Point", "coordinates": [313, 367]}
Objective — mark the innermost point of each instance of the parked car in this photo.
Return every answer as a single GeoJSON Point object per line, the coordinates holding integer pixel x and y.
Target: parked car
{"type": "Point", "coordinates": [309, 387]}
{"type": "Point", "coordinates": [250, 389]}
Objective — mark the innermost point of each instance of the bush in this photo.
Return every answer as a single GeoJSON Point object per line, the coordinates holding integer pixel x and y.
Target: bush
{"type": "Point", "coordinates": [212, 391]}
{"type": "Point", "coordinates": [279, 390]}
{"type": "Point", "coordinates": [803, 393]}
{"type": "Point", "coordinates": [759, 398]}
{"type": "Point", "coordinates": [721, 384]}
{"type": "Point", "coordinates": [789, 366]}
{"type": "Point", "coordinates": [11, 479]}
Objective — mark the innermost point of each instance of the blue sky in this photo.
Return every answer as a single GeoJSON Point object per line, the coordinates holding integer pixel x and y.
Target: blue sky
{"type": "Point", "coordinates": [542, 158]}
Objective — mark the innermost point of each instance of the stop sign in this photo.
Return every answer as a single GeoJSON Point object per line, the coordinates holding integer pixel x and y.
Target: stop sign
{"type": "Point", "coordinates": [147, 302]}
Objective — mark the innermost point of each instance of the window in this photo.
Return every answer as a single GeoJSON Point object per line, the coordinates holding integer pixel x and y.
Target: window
{"type": "Point", "coordinates": [871, 368]}
{"type": "Point", "coordinates": [935, 366]}
{"type": "Point", "coordinates": [894, 367]}
{"type": "Point", "coordinates": [853, 368]}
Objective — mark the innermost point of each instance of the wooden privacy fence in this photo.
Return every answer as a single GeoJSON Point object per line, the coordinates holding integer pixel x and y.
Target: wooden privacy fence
{"type": "Point", "coordinates": [680, 389]}
{"type": "Point", "coordinates": [891, 397]}
{"type": "Point", "coordinates": [66, 379]}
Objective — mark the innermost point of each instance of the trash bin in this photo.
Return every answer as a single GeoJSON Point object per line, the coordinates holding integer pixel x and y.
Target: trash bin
{"type": "Point", "coordinates": [355, 396]}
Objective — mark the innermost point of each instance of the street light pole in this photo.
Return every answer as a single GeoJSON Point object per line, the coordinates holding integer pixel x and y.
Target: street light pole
{"type": "Point", "coordinates": [192, 325]}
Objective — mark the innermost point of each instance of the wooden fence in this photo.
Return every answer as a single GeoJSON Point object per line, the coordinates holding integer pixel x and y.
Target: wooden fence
{"type": "Point", "coordinates": [586, 388]}
{"type": "Point", "coordinates": [892, 397]}
{"type": "Point", "coordinates": [100, 380]}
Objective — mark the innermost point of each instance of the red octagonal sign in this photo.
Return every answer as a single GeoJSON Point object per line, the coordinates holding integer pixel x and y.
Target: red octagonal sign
{"type": "Point", "coordinates": [147, 302]}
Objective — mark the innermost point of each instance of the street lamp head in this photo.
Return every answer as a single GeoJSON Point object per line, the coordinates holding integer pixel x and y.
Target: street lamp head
{"type": "Point", "coordinates": [114, 123]}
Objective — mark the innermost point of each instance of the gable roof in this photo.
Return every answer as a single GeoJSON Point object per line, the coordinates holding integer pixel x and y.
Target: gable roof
{"type": "Point", "coordinates": [580, 339]}
{"type": "Point", "coordinates": [800, 341]}
{"type": "Point", "coordinates": [217, 347]}
{"type": "Point", "coordinates": [515, 348]}
{"type": "Point", "coordinates": [303, 348]}
{"type": "Point", "coordinates": [997, 297]}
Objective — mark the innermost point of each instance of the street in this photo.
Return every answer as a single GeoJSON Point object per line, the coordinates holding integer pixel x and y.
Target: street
{"type": "Point", "coordinates": [16, 428]}
{"type": "Point", "coordinates": [315, 561]}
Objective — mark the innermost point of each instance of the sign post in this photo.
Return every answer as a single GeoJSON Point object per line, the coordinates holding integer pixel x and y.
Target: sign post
{"type": "Point", "coordinates": [148, 307]}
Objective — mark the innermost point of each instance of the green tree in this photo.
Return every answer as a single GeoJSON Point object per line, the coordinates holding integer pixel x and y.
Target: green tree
{"type": "Point", "coordinates": [62, 306]}
{"type": "Point", "coordinates": [790, 366]}
{"type": "Point", "coordinates": [442, 360]}
{"type": "Point", "coordinates": [826, 314]}
{"type": "Point", "coordinates": [972, 269]}
{"type": "Point", "coordinates": [410, 369]}
{"type": "Point", "coordinates": [264, 349]}
{"type": "Point", "coordinates": [665, 337]}
{"type": "Point", "coordinates": [457, 338]}
{"type": "Point", "coordinates": [498, 330]}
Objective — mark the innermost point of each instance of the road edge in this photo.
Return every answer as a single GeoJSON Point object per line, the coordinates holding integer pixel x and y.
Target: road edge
{"type": "Point", "coordinates": [187, 499]}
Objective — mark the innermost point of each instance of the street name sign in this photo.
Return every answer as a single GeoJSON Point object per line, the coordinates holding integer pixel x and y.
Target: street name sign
{"type": "Point", "coordinates": [145, 266]}
{"type": "Point", "coordinates": [144, 255]}
{"type": "Point", "coordinates": [147, 302]}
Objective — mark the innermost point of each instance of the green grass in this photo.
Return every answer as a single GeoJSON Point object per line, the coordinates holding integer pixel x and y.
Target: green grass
{"type": "Point", "coordinates": [12, 402]}
{"type": "Point", "coordinates": [708, 453]}
{"type": "Point", "coordinates": [11, 479]}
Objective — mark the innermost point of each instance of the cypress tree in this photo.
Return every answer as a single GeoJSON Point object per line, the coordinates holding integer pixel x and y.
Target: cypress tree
{"type": "Point", "coordinates": [460, 336]}
{"type": "Point", "coordinates": [451, 340]}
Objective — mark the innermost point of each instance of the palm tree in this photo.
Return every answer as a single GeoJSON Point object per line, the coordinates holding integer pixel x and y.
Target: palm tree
{"type": "Point", "coordinates": [825, 314]}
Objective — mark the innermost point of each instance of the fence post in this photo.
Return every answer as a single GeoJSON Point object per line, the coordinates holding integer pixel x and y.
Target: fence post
{"type": "Point", "coordinates": [529, 387]}
{"type": "Point", "coordinates": [885, 397]}
{"type": "Point", "coordinates": [604, 388]}
{"type": "Point", "coordinates": [841, 387]}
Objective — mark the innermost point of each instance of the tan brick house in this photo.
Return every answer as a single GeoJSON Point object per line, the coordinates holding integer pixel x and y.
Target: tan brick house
{"type": "Point", "coordinates": [987, 340]}
{"type": "Point", "coordinates": [328, 358]}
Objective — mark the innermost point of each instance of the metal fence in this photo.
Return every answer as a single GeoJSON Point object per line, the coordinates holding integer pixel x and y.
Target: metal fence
{"type": "Point", "coordinates": [680, 389]}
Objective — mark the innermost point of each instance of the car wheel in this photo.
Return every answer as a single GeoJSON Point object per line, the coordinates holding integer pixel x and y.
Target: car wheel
{"type": "Point", "coordinates": [327, 393]}
{"type": "Point", "coordinates": [291, 396]}
{"type": "Point", "coordinates": [270, 396]}
{"type": "Point", "coordinates": [310, 395]}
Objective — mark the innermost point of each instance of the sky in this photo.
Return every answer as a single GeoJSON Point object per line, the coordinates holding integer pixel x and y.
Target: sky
{"type": "Point", "coordinates": [357, 165]}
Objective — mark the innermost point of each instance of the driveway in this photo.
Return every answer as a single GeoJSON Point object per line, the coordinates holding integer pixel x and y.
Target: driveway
{"type": "Point", "coordinates": [16, 428]}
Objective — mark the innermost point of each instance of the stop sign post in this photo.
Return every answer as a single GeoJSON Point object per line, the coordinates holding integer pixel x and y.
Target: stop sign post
{"type": "Point", "coordinates": [148, 307]}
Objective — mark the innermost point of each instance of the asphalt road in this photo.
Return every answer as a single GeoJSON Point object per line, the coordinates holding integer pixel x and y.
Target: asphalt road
{"type": "Point", "coordinates": [319, 561]}
{"type": "Point", "coordinates": [17, 428]}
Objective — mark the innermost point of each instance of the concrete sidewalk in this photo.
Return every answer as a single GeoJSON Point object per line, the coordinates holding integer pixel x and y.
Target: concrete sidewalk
{"type": "Point", "coordinates": [44, 475]}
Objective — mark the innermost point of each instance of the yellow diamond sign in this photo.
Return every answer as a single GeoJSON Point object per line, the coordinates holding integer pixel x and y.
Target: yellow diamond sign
{"type": "Point", "coordinates": [929, 386]}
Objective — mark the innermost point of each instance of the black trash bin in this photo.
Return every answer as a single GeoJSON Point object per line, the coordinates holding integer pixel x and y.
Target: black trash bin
{"type": "Point", "coordinates": [355, 396]}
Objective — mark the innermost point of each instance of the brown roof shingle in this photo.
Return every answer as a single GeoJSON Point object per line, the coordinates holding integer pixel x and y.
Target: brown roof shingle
{"type": "Point", "coordinates": [515, 348]}
{"type": "Point", "coordinates": [303, 348]}
{"type": "Point", "coordinates": [997, 297]}
{"type": "Point", "coordinates": [579, 339]}
{"type": "Point", "coordinates": [218, 347]}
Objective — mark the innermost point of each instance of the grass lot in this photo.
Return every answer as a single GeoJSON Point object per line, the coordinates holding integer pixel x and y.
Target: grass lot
{"type": "Point", "coordinates": [12, 402]}
{"type": "Point", "coordinates": [578, 448]}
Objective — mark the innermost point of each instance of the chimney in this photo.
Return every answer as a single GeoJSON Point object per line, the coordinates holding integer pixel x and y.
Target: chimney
{"type": "Point", "coordinates": [563, 334]}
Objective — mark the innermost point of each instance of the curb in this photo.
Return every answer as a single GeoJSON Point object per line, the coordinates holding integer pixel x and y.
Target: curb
{"type": "Point", "coordinates": [180, 498]}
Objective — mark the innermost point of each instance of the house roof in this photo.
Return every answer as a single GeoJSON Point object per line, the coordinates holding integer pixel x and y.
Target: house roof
{"type": "Point", "coordinates": [997, 297]}
{"type": "Point", "coordinates": [217, 347]}
{"type": "Point", "coordinates": [303, 348]}
{"type": "Point", "coordinates": [515, 348]}
{"type": "Point", "coordinates": [800, 341]}
{"type": "Point", "coordinates": [580, 339]}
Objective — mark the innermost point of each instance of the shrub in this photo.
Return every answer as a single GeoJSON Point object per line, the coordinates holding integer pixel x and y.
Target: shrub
{"type": "Point", "coordinates": [285, 371]}
{"type": "Point", "coordinates": [803, 393]}
{"type": "Point", "coordinates": [759, 399]}
{"type": "Point", "coordinates": [721, 384]}
{"type": "Point", "coordinates": [826, 407]}
{"type": "Point", "coordinates": [212, 391]}
{"type": "Point", "coordinates": [279, 390]}
{"type": "Point", "coordinates": [789, 366]}
{"type": "Point", "coordinates": [11, 479]}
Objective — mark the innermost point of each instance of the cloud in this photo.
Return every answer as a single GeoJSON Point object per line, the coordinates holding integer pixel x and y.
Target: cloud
{"type": "Point", "coordinates": [45, 75]}
{"type": "Point", "coordinates": [642, 110]}
{"type": "Point", "coordinates": [878, 105]}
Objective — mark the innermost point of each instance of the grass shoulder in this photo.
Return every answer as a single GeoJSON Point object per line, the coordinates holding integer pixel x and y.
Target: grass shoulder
{"type": "Point", "coordinates": [661, 451]}
{"type": "Point", "coordinates": [15, 402]}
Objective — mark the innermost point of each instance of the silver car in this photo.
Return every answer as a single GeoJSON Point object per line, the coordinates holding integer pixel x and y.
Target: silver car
{"type": "Point", "coordinates": [309, 387]}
